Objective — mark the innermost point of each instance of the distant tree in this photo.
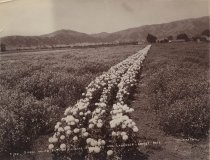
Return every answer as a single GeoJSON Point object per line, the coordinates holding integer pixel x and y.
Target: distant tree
{"type": "Point", "coordinates": [3, 47]}
{"type": "Point", "coordinates": [206, 32]}
{"type": "Point", "coordinates": [170, 37]}
{"type": "Point", "coordinates": [183, 36]}
{"type": "Point", "coordinates": [195, 38]}
{"type": "Point", "coordinates": [151, 38]}
{"type": "Point", "coordinates": [164, 41]}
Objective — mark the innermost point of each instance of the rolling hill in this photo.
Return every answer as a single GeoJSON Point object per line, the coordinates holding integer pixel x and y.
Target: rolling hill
{"type": "Point", "coordinates": [65, 37]}
{"type": "Point", "coordinates": [61, 37]}
{"type": "Point", "coordinates": [189, 26]}
{"type": "Point", "coordinates": [100, 35]}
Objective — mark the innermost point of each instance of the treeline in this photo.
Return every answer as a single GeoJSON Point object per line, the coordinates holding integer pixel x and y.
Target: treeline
{"type": "Point", "coordinates": [204, 36]}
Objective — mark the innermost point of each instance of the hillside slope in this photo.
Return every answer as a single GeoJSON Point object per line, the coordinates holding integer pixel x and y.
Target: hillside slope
{"type": "Point", "coordinates": [189, 26]}
{"type": "Point", "coordinates": [61, 37]}
{"type": "Point", "coordinates": [65, 37]}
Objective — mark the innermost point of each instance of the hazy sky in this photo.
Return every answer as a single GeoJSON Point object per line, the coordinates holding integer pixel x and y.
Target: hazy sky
{"type": "Point", "coordinates": [36, 17]}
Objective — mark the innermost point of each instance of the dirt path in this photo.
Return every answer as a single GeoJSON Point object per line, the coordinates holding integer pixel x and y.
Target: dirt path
{"type": "Point", "coordinates": [170, 148]}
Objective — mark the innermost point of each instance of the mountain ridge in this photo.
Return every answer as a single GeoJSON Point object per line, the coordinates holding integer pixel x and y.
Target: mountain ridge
{"type": "Point", "coordinates": [190, 26]}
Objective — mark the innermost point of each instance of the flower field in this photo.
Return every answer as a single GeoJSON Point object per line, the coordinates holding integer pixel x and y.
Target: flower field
{"type": "Point", "coordinates": [101, 118]}
{"type": "Point", "coordinates": [102, 103]}
{"type": "Point", "coordinates": [36, 87]}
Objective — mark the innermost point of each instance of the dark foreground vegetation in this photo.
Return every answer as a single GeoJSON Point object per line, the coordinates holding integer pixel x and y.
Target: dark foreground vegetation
{"type": "Point", "coordinates": [178, 87]}
{"type": "Point", "coordinates": [36, 87]}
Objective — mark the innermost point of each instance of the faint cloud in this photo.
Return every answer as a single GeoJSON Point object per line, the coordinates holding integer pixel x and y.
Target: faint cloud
{"type": "Point", "coordinates": [127, 7]}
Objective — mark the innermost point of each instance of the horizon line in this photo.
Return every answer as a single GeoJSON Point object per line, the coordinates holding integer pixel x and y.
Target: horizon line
{"type": "Point", "coordinates": [1, 30]}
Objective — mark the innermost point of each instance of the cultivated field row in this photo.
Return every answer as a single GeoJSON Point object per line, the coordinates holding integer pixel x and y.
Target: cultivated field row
{"type": "Point", "coordinates": [102, 117]}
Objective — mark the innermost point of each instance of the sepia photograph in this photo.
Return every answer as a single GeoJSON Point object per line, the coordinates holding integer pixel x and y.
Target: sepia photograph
{"type": "Point", "coordinates": [104, 79]}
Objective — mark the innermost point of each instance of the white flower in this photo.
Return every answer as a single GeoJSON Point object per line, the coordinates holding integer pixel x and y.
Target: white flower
{"type": "Point", "coordinates": [72, 123]}
{"type": "Point", "coordinates": [51, 146]}
{"type": "Point", "coordinates": [95, 117]}
{"type": "Point", "coordinates": [90, 126]}
{"type": "Point", "coordinates": [76, 130]}
{"type": "Point", "coordinates": [93, 143]}
{"type": "Point", "coordinates": [88, 112]}
{"type": "Point", "coordinates": [69, 118]}
{"type": "Point", "coordinates": [131, 109]}
{"type": "Point", "coordinates": [109, 152]}
{"type": "Point", "coordinates": [99, 143]}
{"type": "Point", "coordinates": [56, 126]}
{"type": "Point", "coordinates": [133, 123]}
{"type": "Point", "coordinates": [62, 137]}
{"type": "Point", "coordinates": [75, 138]}
{"type": "Point", "coordinates": [60, 129]}
{"type": "Point", "coordinates": [112, 125]}
{"type": "Point", "coordinates": [123, 126]}
{"type": "Point", "coordinates": [85, 134]}
{"type": "Point", "coordinates": [114, 134]}
{"type": "Point", "coordinates": [67, 128]}
{"type": "Point", "coordinates": [88, 140]}
{"type": "Point", "coordinates": [99, 125]}
{"type": "Point", "coordinates": [123, 133]}
{"type": "Point", "coordinates": [63, 147]}
{"type": "Point", "coordinates": [103, 111]}
{"type": "Point", "coordinates": [130, 125]}
{"type": "Point", "coordinates": [98, 110]}
{"type": "Point", "coordinates": [76, 120]}
{"type": "Point", "coordinates": [54, 140]}
{"type": "Point", "coordinates": [58, 133]}
{"type": "Point", "coordinates": [91, 149]}
{"type": "Point", "coordinates": [103, 142]}
{"type": "Point", "coordinates": [135, 129]}
{"type": "Point", "coordinates": [125, 137]}
{"type": "Point", "coordinates": [83, 129]}
{"type": "Point", "coordinates": [68, 132]}
{"type": "Point", "coordinates": [97, 149]}
{"type": "Point", "coordinates": [50, 140]}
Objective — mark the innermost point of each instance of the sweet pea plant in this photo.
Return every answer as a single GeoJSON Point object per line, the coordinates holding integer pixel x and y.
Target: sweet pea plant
{"type": "Point", "coordinates": [100, 122]}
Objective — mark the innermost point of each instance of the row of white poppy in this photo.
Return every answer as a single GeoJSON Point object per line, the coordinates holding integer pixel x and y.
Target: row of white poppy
{"type": "Point", "coordinates": [121, 122]}
{"type": "Point", "coordinates": [80, 122]}
{"type": "Point", "coordinates": [119, 110]}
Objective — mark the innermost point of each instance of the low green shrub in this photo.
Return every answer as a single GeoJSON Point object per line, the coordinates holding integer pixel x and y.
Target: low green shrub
{"type": "Point", "coordinates": [187, 116]}
{"type": "Point", "coordinates": [179, 90]}
{"type": "Point", "coordinates": [23, 118]}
